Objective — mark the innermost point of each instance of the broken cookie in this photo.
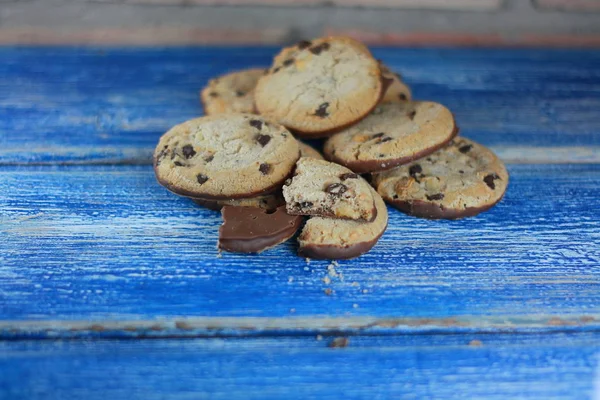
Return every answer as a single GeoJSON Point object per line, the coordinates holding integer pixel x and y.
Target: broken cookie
{"type": "Point", "coordinates": [327, 189]}
{"type": "Point", "coordinates": [335, 239]}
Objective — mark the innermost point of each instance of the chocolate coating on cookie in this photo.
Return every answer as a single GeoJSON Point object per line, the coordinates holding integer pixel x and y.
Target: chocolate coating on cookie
{"type": "Point", "coordinates": [267, 202]}
{"type": "Point", "coordinates": [252, 229]}
{"type": "Point", "coordinates": [328, 238]}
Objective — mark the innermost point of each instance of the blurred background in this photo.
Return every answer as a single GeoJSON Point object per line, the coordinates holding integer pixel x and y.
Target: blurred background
{"type": "Point", "coordinates": [562, 23]}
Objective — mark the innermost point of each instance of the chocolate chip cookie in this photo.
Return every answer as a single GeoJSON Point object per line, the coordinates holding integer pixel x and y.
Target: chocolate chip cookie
{"type": "Point", "coordinates": [328, 190]}
{"type": "Point", "coordinates": [393, 134]}
{"type": "Point", "coordinates": [329, 238]}
{"type": "Point", "coordinates": [319, 86]}
{"type": "Point", "coordinates": [460, 180]}
{"type": "Point", "coordinates": [252, 230]}
{"type": "Point", "coordinates": [397, 91]}
{"type": "Point", "coordinates": [225, 156]}
{"type": "Point", "coordinates": [233, 92]}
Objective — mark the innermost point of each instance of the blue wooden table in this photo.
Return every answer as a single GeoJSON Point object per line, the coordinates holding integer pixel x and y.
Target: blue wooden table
{"type": "Point", "coordinates": [112, 287]}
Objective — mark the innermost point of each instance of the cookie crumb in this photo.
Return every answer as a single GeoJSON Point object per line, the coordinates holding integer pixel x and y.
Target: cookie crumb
{"type": "Point", "coordinates": [339, 342]}
{"type": "Point", "coordinates": [355, 305]}
{"type": "Point", "coordinates": [365, 291]}
{"type": "Point", "coordinates": [475, 343]}
{"type": "Point", "coordinates": [290, 279]}
{"type": "Point", "coordinates": [328, 291]}
{"type": "Point", "coordinates": [292, 310]}
{"type": "Point", "coordinates": [319, 337]}
{"type": "Point", "coordinates": [326, 280]}
{"type": "Point", "coordinates": [355, 284]}
{"type": "Point", "coordinates": [307, 260]}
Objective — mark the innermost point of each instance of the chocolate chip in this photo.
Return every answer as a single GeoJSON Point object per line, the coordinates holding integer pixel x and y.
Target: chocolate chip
{"type": "Point", "coordinates": [414, 170]}
{"type": "Point", "coordinates": [339, 342]}
{"type": "Point", "coordinates": [263, 139]}
{"type": "Point", "coordinates": [188, 151]}
{"type": "Point", "coordinates": [256, 123]}
{"type": "Point", "coordinates": [395, 197]}
{"type": "Point", "coordinates": [411, 115]}
{"type": "Point", "coordinates": [465, 148]}
{"type": "Point", "coordinates": [306, 204]}
{"type": "Point", "coordinates": [264, 168]}
{"type": "Point", "coordinates": [213, 94]}
{"type": "Point", "coordinates": [461, 171]}
{"type": "Point", "coordinates": [437, 196]}
{"type": "Point", "coordinates": [348, 175]}
{"type": "Point", "coordinates": [288, 62]}
{"type": "Point", "coordinates": [385, 139]}
{"type": "Point", "coordinates": [284, 134]}
{"type": "Point", "coordinates": [303, 44]}
{"type": "Point", "coordinates": [322, 110]}
{"type": "Point", "coordinates": [201, 178]}
{"type": "Point", "coordinates": [178, 164]}
{"type": "Point", "coordinates": [336, 189]}
{"type": "Point", "coordinates": [209, 158]}
{"type": "Point", "coordinates": [162, 155]}
{"type": "Point", "coordinates": [403, 97]}
{"type": "Point", "coordinates": [377, 135]}
{"type": "Point", "coordinates": [319, 48]}
{"type": "Point", "coordinates": [276, 69]}
{"type": "Point", "coordinates": [381, 155]}
{"type": "Point", "coordinates": [239, 93]}
{"type": "Point", "coordinates": [489, 180]}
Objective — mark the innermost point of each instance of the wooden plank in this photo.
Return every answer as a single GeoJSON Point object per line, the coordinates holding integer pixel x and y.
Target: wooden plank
{"type": "Point", "coordinates": [110, 105]}
{"type": "Point", "coordinates": [557, 366]}
{"type": "Point", "coordinates": [108, 243]}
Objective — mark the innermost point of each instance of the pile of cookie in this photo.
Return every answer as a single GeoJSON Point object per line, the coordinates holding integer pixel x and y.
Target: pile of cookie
{"type": "Point", "coordinates": [245, 158]}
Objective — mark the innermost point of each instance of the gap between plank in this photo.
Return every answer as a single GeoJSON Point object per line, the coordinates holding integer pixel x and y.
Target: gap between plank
{"type": "Point", "coordinates": [199, 327]}
{"type": "Point", "coordinates": [143, 156]}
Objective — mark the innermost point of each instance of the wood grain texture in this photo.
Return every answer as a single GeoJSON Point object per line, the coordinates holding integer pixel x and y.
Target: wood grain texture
{"type": "Point", "coordinates": [556, 366]}
{"type": "Point", "coordinates": [108, 243]}
{"type": "Point", "coordinates": [110, 105]}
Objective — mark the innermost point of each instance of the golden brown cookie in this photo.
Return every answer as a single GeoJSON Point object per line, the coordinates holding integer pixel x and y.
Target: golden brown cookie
{"type": "Point", "coordinates": [225, 156]}
{"type": "Point", "coordinates": [460, 180]}
{"type": "Point", "coordinates": [317, 87]}
{"type": "Point", "coordinates": [233, 92]}
{"type": "Point", "coordinates": [393, 134]}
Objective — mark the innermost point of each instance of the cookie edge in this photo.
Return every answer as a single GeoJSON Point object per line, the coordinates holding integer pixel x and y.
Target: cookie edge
{"type": "Point", "coordinates": [363, 167]}
{"type": "Point", "coordinates": [330, 252]}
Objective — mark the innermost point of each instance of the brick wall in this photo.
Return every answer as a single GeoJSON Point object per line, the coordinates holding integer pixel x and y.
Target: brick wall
{"type": "Point", "coordinates": [407, 22]}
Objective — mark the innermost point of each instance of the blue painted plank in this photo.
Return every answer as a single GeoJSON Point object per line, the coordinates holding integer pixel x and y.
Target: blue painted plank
{"type": "Point", "coordinates": [557, 366]}
{"type": "Point", "coordinates": [110, 105]}
{"type": "Point", "coordinates": [108, 243]}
